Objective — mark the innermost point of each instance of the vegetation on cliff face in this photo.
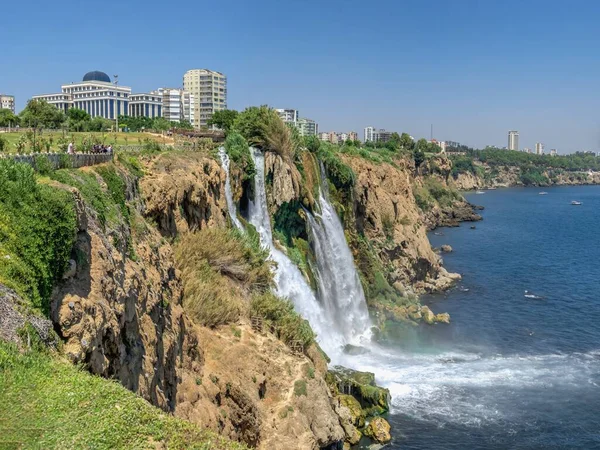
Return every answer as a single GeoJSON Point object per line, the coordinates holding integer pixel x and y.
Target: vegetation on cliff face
{"type": "Point", "coordinates": [217, 267]}
{"type": "Point", "coordinates": [37, 231]}
{"type": "Point", "coordinates": [48, 403]}
{"type": "Point", "coordinates": [238, 150]}
{"type": "Point", "coordinates": [513, 167]}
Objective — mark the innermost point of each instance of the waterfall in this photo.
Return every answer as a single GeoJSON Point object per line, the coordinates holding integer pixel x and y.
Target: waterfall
{"type": "Point", "coordinates": [340, 289]}
{"type": "Point", "coordinates": [289, 280]}
{"type": "Point", "coordinates": [230, 204]}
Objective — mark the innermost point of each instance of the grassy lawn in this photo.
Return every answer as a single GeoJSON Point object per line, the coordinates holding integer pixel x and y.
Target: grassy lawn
{"type": "Point", "coordinates": [48, 403]}
{"type": "Point", "coordinates": [54, 137]}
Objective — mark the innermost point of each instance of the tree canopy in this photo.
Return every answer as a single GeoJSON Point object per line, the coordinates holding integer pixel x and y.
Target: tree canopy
{"type": "Point", "coordinates": [40, 114]}
{"type": "Point", "coordinates": [7, 118]}
{"type": "Point", "coordinates": [223, 119]}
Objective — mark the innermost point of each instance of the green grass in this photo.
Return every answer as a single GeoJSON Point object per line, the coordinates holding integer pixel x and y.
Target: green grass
{"type": "Point", "coordinates": [56, 139]}
{"type": "Point", "coordinates": [46, 403]}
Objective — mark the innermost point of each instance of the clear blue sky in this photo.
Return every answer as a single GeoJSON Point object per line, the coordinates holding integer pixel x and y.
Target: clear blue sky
{"type": "Point", "coordinates": [475, 69]}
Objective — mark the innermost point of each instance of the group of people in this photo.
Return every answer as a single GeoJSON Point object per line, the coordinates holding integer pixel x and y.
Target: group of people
{"type": "Point", "coordinates": [97, 148]}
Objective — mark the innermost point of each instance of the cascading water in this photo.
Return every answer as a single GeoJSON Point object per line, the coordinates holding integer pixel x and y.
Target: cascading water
{"type": "Point", "coordinates": [230, 204]}
{"type": "Point", "coordinates": [340, 289]}
{"type": "Point", "coordinates": [289, 280]}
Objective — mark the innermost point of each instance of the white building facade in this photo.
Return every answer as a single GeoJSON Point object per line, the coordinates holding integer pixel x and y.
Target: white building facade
{"type": "Point", "coordinates": [7, 102]}
{"type": "Point", "coordinates": [539, 148]}
{"type": "Point", "coordinates": [290, 116]}
{"type": "Point", "coordinates": [370, 134]}
{"type": "Point", "coordinates": [307, 127]}
{"type": "Point", "coordinates": [513, 140]}
{"type": "Point", "coordinates": [210, 93]}
{"type": "Point", "coordinates": [177, 105]}
{"type": "Point", "coordinates": [95, 94]}
{"type": "Point", "coordinates": [145, 105]}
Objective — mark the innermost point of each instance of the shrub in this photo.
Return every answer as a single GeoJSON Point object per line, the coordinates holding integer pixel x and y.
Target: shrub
{"type": "Point", "coordinates": [289, 325]}
{"type": "Point", "coordinates": [289, 223]}
{"type": "Point", "coordinates": [278, 137]}
{"type": "Point", "coordinates": [340, 174]}
{"type": "Point", "coordinates": [239, 151]}
{"type": "Point", "coordinates": [215, 263]}
{"type": "Point", "coordinates": [444, 196]}
{"type": "Point", "coordinates": [3, 144]}
{"type": "Point", "coordinates": [92, 192]}
{"type": "Point", "coordinates": [422, 198]}
{"type": "Point", "coordinates": [300, 388]}
{"type": "Point", "coordinates": [43, 165]}
{"type": "Point", "coordinates": [37, 231]}
{"type": "Point", "coordinates": [116, 187]}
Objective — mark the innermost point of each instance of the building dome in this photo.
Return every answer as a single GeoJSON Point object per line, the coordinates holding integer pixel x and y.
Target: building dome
{"type": "Point", "coordinates": [96, 75]}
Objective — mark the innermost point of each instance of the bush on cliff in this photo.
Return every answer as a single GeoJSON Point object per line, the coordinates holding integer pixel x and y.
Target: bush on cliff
{"type": "Point", "coordinates": [288, 324]}
{"type": "Point", "coordinates": [238, 150]}
{"type": "Point", "coordinates": [215, 264]}
{"type": "Point", "coordinates": [341, 175]}
{"type": "Point", "coordinates": [37, 231]}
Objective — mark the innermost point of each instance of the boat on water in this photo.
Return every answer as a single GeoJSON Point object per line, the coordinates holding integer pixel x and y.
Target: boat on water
{"type": "Point", "coordinates": [543, 193]}
{"type": "Point", "coordinates": [493, 188]}
{"type": "Point", "coordinates": [480, 192]}
{"type": "Point", "coordinates": [575, 203]}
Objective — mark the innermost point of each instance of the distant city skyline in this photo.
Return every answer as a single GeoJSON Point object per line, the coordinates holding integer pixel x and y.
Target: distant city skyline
{"type": "Point", "coordinates": [473, 82]}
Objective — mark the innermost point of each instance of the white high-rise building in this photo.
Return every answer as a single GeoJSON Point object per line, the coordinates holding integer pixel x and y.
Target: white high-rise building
{"type": "Point", "coordinates": [177, 105]}
{"type": "Point", "coordinates": [210, 93]}
{"type": "Point", "coordinates": [539, 148]}
{"type": "Point", "coordinates": [513, 140]}
{"type": "Point", "coordinates": [290, 116]}
{"type": "Point", "coordinates": [370, 134]}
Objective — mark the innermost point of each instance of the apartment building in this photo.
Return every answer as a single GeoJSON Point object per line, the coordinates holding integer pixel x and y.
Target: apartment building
{"type": "Point", "coordinates": [209, 89]}
{"type": "Point", "coordinates": [7, 102]}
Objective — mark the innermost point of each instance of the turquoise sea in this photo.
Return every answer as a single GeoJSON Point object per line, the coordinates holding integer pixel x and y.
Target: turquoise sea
{"type": "Point", "coordinates": [519, 366]}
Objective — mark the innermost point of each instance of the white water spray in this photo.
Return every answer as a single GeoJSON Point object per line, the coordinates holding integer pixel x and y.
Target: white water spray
{"type": "Point", "coordinates": [340, 289]}
{"type": "Point", "coordinates": [229, 196]}
{"type": "Point", "coordinates": [289, 280]}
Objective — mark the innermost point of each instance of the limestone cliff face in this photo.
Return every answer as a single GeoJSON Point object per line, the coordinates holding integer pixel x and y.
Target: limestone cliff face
{"type": "Point", "coordinates": [507, 176]}
{"type": "Point", "coordinates": [254, 389]}
{"type": "Point", "coordinates": [184, 193]}
{"type": "Point", "coordinates": [385, 211]}
{"type": "Point", "coordinates": [120, 313]}
{"type": "Point", "coordinates": [467, 182]}
{"type": "Point", "coordinates": [285, 180]}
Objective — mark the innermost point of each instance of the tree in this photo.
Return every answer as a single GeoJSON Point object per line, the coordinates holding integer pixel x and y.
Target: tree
{"type": "Point", "coordinates": [78, 119]}
{"type": "Point", "coordinates": [406, 142]}
{"type": "Point", "coordinates": [418, 156]}
{"type": "Point", "coordinates": [422, 145]}
{"type": "Point", "coordinates": [161, 124]}
{"type": "Point", "coordinates": [100, 124]}
{"type": "Point", "coordinates": [223, 119]}
{"type": "Point", "coordinates": [184, 125]}
{"type": "Point", "coordinates": [250, 123]}
{"type": "Point", "coordinates": [7, 118]}
{"type": "Point", "coordinates": [40, 114]}
{"type": "Point", "coordinates": [312, 143]}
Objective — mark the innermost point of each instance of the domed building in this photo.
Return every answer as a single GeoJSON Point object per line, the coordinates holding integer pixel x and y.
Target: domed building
{"type": "Point", "coordinates": [99, 97]}
{"type": "Point", "coordinates": [96, 75]}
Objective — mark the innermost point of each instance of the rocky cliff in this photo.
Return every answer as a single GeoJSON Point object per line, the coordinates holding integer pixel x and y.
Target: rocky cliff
{"type": "Point", "coordinates": [487, 176]}
{"type": "Point", "coordinates": [121, 313]}
{"type": "Point", "coordinates": [386, 213]}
